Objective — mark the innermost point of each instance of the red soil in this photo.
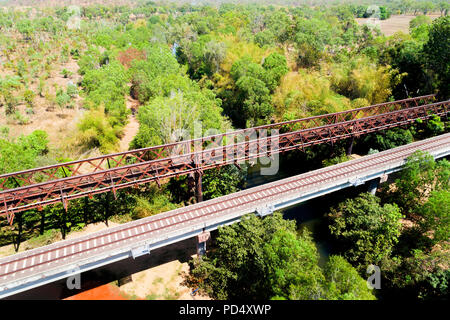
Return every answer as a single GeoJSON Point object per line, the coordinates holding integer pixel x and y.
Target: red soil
{"type": "Point", "coordinates": [105, 292]}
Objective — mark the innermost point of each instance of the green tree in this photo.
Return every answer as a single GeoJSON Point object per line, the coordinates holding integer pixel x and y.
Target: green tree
{"type": "Point", "coordinates": [366, 230]}
{"type": "Point", "coordinates": [25, 27]}
{"type": "Point", "coordinates": [22, 153]}
{"type": "Point", "coordinates": [259, 259]}
{"type": "Point", "coordinates": [292, 267]}
{"type": "Point", "coordinates": [437, 52]}
{"type": "Point", "coordinates": [276, 67]}
{"type": "Point", "coordinates": [223, 181]}
{"type": "Point", "coordinates": [418, 21]}
{"type": "Point", "coordinates": [146, 74]}
{"type": "Point", "coordinates": [7, 86]}
{"type": "Point", "coordinates": [256, 101]}
{"type": "Point", "coordinates": [436, 215]}
{"type": "Point", "coordinates": [250, 103]}
{"type": "Point", "coordinates": [344, 282]}
{"type": "Point", "coordinates": [443, 7]}
{"type": "Point", "coordinates": [421, 275]}
{"type": "Point", "coordinates": [390, 139]}
{"type": "Point", "coordinates": [29, 96]}
{"type": "Point", "coordinates": [420, 176]}
{"type": "Point", "coordinates": [170, 119]}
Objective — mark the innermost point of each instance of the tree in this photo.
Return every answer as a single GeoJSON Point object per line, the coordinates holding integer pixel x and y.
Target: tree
{"type": "Point", "coordinates": [384, 13]}
{"type": "Point", "coordinates": [390, 139]}
{"type": "Point", "coordinates": [220, 182]}
{"type": "Point", "coordinates": [237, 268]}
{"type": "Point", "coordinates": [292, 269]}
{"type": "Point", "coordinates": [167, 119]}
{"type": "Point", "coordinates": [406, 5]}
{"type": "Point", "coordinates": [265, 38]}
{"type": "Point", "coordinates": [344, 282]}
{"type": "Point", "coordinates": [214, 54]}
{"type": "Point", "coordinates": [7, 86]}
{"type": "Point", "coordinates": [406, 55]}
{"type": "Point", "coordinates": [29, 96]}
{"type": "Point", "coordinates": [22, 153]}
{"type": "Point", "coordinates": [147, 73]}
{"type": "Point", "coordinates": [250, 103]}
{"type": "Point", "coordinates": [426, 6]}
{"type": "Point", "coordinates": [418, 21]}
{"type": "Point", "coordinates": [366, 230]}
{"type": "Point", "coordinates": [420, 176]}
{"type": "Point", "coordinates": [443, 7]}
{"type": "Point", "coordinates": [280, 25]}
{"type": "Point", "coordinates": [265, 258]}
{"type": "Point", "coordinates": [276, 67]}
{"type": "Point", "coordinates": [437, 52]}
{"type": "Point", "coordinates": [255, 97]}
{"type": "Point", "coordinates": [260, 259]}
{"type": "Point", "coordinates": [421, 275]}
{"type": "Point", "coordinates": [436, 215]}
{"type": "Point", "coordinates": [25, 27]}
{"type": "Point", "coordinates": [311, 38]}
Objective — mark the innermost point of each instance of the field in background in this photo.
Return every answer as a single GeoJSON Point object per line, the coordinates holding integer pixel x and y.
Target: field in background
{"type": "Point", "coordinates": [395, 23]}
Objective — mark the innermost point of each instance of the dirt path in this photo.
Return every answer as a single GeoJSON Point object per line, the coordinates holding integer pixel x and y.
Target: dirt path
{"type": "Point", "coordinates": [162, 282]}
{"type": "Point", "coordinates": [132, 128]}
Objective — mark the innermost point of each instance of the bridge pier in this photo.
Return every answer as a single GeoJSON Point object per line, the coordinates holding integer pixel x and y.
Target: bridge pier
{"type": "Point", "coordinates": [375, 183]}
{"type": "Point", "coordinates": [195, 188]}
{"type": "Point", "coordinates": [198, 187]}
{"type": "Point", "coordinates": [202, 238]}
{"type": "Point", "coordinates": [350, 146]}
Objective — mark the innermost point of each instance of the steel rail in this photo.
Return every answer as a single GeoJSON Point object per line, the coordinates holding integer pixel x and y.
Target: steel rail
{"type": "Point", "coordinates": [216, 205]}
{"type": "Point", "coordinates": [79, 167]}
{"type": "Point", "coordinates": [22, 198]}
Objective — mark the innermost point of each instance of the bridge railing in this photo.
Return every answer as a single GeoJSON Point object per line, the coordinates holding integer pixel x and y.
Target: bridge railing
{"type": "Point", "coordinates": [101, 163]}
{"type": "Point", "coordinates": [62, 190]}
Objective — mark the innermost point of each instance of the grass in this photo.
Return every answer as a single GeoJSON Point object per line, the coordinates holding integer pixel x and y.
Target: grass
{"type": "Point", "coordinates": [170, 295]}
{"type": "Point", "coordinates": [121, 218]}
{"type": "Point", "coordinates": [157, 281]}
{"type": "Point", "coordinates": [47, 238]}
{"type": "Point", "coordinates": [152, 296]}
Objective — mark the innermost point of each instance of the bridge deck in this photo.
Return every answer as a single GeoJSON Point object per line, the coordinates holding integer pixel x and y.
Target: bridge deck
{"type": "Point", "coordinates": [36, 267]}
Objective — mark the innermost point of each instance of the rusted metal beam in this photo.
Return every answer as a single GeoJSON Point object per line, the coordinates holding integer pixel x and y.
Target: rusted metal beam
{"type": "Point", "coordinates": [80, 167]}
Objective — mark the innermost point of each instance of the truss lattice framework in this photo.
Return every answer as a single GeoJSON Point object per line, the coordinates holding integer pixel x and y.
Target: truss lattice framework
{"type": "Point", "coordinates": [91, 165]}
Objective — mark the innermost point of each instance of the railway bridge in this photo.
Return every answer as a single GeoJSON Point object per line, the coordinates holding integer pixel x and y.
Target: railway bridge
{"type": "Point", "coordinates": [34, 268]}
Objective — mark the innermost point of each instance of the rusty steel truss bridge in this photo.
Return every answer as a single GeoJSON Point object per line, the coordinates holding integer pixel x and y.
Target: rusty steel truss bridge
{"type": "Point", "coordinates": [35, 188]}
